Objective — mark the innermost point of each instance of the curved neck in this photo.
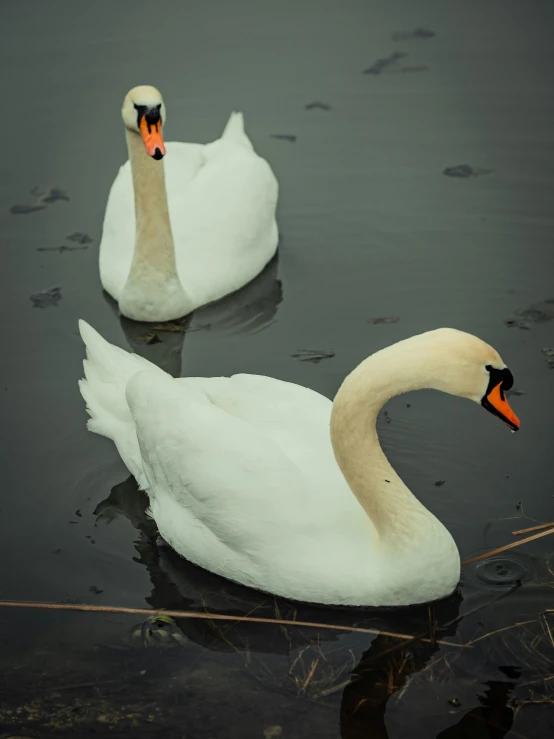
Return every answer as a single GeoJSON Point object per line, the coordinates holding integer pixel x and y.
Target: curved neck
{"type": "Point", "coordinates": [393, 509]}
{"type": "Point", "coordinates": [154, 248]}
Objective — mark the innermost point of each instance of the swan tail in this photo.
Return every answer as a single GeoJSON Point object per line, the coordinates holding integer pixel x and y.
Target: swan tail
{"type": "Point", "coordinates": [107, 370]}
{"type": "Point", "coordinates": [234, 131]}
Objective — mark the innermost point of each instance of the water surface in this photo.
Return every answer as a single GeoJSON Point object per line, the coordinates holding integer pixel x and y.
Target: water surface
{"type": "Point", "coordinates": [371, 228]}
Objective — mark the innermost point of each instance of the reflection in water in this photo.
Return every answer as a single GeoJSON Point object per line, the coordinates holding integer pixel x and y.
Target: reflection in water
{"type": "Point", "coordinates": [321, 664]}
{"type": "Point", "coordinates": [382, 689]}
{"type": "Point", "coordinates": [245, 311]}
{"type": "Point", "coordinates": [384, 671]}
{"type": "Point", "coordinates": [493, 714]}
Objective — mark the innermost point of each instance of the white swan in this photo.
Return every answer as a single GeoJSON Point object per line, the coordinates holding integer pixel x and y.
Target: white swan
{"type": "Point", "coordinates": [163, 254]}
{"type": "Point", "coordinates": [242, 478]}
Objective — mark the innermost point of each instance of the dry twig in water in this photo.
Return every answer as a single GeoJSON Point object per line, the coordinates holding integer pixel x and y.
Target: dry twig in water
{"type": "Point", "coordinates": [211, 616]}
{"type": "Point", "coordinates": [533, 528]}
{"type": "Point", "coordinates": [507, 546]}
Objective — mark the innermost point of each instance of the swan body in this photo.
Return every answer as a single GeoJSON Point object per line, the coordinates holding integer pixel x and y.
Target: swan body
{"type": "Point", "coordinates": [185, 224]}
{"type": "Point", "coordinates": [273, 486]}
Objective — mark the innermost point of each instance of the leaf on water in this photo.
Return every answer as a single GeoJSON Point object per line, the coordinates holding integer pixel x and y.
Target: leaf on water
{"type": "Point", "coordinates": [513, 323]}
{"type": "Point", "coordinates": [79, 238]}
{"type": "Point", "coordinates": [384, 319]}
{"type": "Point", "coordinates": [466, 170]}
{"type": "Point", "coordinates": [284, 136]}
{"type": "Point", "coordinates": [51, 195]}
{"type": "Point", "coordinates": [318, 104]}
{"type": "Point", "coordinates": [385, 63]}
{"type": "Point", "coordinates": [515, 391]}
{"type": "Point", "coordinates": [313, 355]}
{"type": "Point", "coordinates": [47, 298]}
{"type": "Point", "coordinates": [23, 209]}
{"type": "Point", "coordinates": [540, 312]}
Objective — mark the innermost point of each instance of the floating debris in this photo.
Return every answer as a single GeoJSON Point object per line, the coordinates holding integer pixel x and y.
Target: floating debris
{"type": "Point", "coordinates": [465, 170]}
{"type": "Point", "coordinates": [454, 702]}
{"type": "Point", "coordinates": [549, 354]}
{"type": "Point", "coordinates": [23, 209]}
{"type": "Point", "coordinates": [384, 319]}
{"type": "Point", "coordinates": [95, 590]}
{"type": "Point", "coordinates": [175, 327]}
{"type": "Point", "coordinates": [384, 64]}
{"type": "Point", "coordinates": [515, 392]}
{"type": "Point", "coordinates": [388, 419]}
{"type": "Point", "coordinates": [273, 732]}
{"type": "Point", "coordinates": [47, 298]}
{"type": "Point", "coordinates": [417, 33]}
{"type": "Point", "coordinates": [540, 312]}
{"type": "Point", "coordinates": [158, 631]}
{"type": "Point", "coordinates": [43, 198]}
{"type": "Point", "coordinates": [79, 238]}
{"type": "Point", "coordinates": [513, 323]}
{"type": "Point", "coordinates": [317, 104]}
{"type": "Point", "coordinates": [61, 249]}
{"type": "Point", "coordinates": [284, 136]}
{"type": "Point", "coordinates": [78, 513]}
{"type": "Point", "coordinates": [149, 338]}
{"type": "Point", "coordinates": [52, 195]}
{"type": "Point", "coordinates": [439, 483]}
{"type": "Point", "coordinates": [313, 355]}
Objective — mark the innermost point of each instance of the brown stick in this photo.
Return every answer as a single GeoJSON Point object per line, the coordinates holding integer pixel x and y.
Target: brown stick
{"type": "Point", "coordinates": [507, 546]}
{"type": "Point", "coordinates": [212, 616]}
{"type": "Point", "coordinates": [532, 528]}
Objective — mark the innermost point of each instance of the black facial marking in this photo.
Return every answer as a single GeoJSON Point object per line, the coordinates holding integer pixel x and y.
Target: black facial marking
{"type": "Point", "coordinates": [150, 114]}
{"type": "Point", "coordinates": [505, 379]}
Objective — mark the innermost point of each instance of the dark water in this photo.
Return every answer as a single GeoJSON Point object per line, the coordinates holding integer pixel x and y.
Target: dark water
{"type": "Point", "coordinates": [371, 228]}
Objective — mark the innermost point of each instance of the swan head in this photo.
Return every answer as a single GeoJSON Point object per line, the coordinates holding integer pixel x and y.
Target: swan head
{"type": "Point", "coordinates": [143, 112]}
{"type": "Point", "coordinates": [464, 365]}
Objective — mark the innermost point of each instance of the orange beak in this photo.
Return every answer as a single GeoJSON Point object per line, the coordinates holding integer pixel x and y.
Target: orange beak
{"type": "Point", "coordinates": [501, 407]}
{"type": "Point", "coordinates": [152, 137]}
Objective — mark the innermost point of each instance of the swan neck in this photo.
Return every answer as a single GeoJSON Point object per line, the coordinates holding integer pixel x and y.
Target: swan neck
{"type": "Point", "coordinates": [393, 509]}
{"type": "Point", "coordinates": [154, 247]}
